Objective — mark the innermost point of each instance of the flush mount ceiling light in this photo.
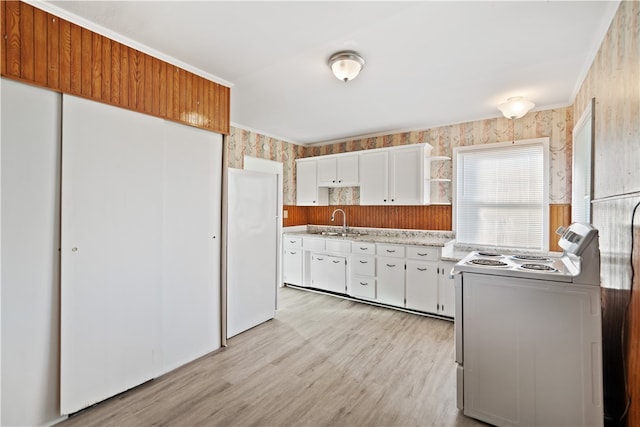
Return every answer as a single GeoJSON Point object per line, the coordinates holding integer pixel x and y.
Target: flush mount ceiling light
{"type": "Point", "coordinates": [346, 65]}
{"type": "Point", "coordinates": [515, 107]}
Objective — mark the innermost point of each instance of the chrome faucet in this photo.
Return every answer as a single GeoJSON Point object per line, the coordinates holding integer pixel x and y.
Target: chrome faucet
{"type": "Point", "coordinates": [344, 220]}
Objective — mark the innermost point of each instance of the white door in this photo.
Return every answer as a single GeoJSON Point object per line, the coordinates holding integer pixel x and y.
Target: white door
{"type": "Point", "coordinates": [270, 166]}
{"type": "Point", "coordinates": [251, 249]}
{"type": "Point", "coordinates": [140, 251]}
{"type": "Point", "coordinates": [581, 176]}
{"type": "Point", "coordinates": [111, 269]}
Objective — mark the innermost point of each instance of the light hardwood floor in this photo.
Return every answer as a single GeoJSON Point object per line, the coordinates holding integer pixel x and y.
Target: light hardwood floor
{"type": "Point", "coordinates": [322, 361]}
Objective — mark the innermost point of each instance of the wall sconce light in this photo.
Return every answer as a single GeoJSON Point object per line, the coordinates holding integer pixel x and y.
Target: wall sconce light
{"type": "Point", "coordinates": [346, 65]}
{"type": "Point", "coordinates": [515, 107]}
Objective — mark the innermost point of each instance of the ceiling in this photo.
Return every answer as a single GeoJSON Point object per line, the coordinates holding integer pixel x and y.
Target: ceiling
{"type": "Point", "coordinates": [427, 63]}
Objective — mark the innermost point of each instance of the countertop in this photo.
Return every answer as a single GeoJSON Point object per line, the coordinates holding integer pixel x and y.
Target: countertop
{"type": "Point", "coordinates": [381, 235]}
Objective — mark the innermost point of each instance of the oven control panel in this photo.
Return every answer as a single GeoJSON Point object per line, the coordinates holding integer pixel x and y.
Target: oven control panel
{"type": "Point", "coordinates": [577, 237]}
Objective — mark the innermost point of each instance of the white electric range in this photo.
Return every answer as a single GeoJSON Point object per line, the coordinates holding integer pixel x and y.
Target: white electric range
{"type": "Point", "coordinates": [528, 335]}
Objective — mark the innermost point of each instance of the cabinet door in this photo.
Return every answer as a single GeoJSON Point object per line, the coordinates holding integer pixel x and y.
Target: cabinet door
{"type": "Point", "coordinates": [446, 294]}
{"type": "Point", "coordinates": [374, 184]}
{"type": "Point", "coordinates": [292, 266]}
{"type": "Point", "coordinates": [348, 170]}
{"type": "Point", "coordinates": [318, 270]}
{"type": "Point", "coordinates": [406, 176]}
{"type": "Point", "coordinates": [391, 281]}
{"type": "Point", "coordinates": [327, 171]}
{"type": "Point", "coordinates": [422, 286]}
{"type": "Point", "coordinates": [306, 183]}
{"type": "Point", "coordinates": [335, 279]}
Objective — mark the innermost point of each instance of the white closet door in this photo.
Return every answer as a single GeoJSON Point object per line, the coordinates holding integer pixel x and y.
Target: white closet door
{"type": "Point", "coordinates": [251, 249]}
{"type": "Point", "coordinates": [30, 258]}
{"type": "Point", "coordinates": [111, 251]}
{"type": "Point", "coordinates": [191, 244]}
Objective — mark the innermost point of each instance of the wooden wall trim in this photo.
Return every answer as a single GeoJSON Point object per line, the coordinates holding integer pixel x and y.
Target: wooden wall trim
{"type": "Point", "coordinates": [42, 49]}
{"type": "Point", "coordinates": [559, 216]}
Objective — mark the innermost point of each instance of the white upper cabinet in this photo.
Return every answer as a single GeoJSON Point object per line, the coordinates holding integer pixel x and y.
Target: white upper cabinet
{"type": "Point", "coordinates": [307, 191]}
{"type": "Point", "coordinates": [338, 171]}
{"type": "Point", "coordinates": [374, 180]}
{"type": "Point", "coordinates": [395, 176]}
{"type": "Point", "coordinates": [386, 176]}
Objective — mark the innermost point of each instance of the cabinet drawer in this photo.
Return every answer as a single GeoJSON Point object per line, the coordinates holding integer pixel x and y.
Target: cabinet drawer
{"type": "Point", "coordinates": [390, 251]}
{"type": "Point", "coordinates": [334, 245]}
{"type": "Point", "coordinates": [364, 265]}
{"type": "Point", "coordinates": [363, 248]}
{"type": "Point", "coordinates": [313, 244]}
{"type": "Point", "coordinates": [291, 242]}
{"type": "Point", "coordinates": [424, 253]}
{"type": "Point", "coordinates": [363, 287]}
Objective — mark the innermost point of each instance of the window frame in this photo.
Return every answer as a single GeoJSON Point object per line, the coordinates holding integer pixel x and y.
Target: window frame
{"type": "Point", "coordinates": [544, 142]}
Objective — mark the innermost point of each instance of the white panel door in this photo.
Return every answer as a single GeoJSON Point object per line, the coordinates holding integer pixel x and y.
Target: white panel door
{"type": "Point", "coordinates": [251, 249]}
{"type": "Point", "coordinates": [30, 153]}
{"type": "Point", "coordinates": [191, 248]}
{"type": "Point", "coordinates": [112, 255]}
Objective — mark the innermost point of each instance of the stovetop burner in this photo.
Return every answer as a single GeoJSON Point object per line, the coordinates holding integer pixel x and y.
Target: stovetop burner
{"type": "Point", "coordinates": [488, 254]}
{"type": "Point", "coordinates": [538, 267]}
{"type": "Point", "coordinates": [488, 262]}
{"type": "Point", "coordinates": [531, 258]}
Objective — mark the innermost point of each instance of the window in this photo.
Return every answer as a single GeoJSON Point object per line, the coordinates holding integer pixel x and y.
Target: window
{"type": "Point", "coordinates": [501, 196]}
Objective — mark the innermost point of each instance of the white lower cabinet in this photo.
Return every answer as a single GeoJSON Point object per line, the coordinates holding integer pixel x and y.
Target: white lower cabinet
{"type": "Point", "coordinates": [391, 281]}
{"type": "Point", "coordinates": [292, 266]}
{"type": "Point", "coordinates": [328, 272]}
{"type": "Point", "coordinates": [422, 286]}
{"type": "Point", "coordinates": [405, 276]}
{"type": "Point", "coordinates": [446, 294]}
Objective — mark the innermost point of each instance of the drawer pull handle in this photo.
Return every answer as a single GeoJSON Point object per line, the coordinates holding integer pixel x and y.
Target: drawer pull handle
{"type": "Point", "coordinates": [391, 265]}
{"type": "Point", "coordinates": [391, 250]}
{"type": "Point", "coordinates": [335, 262]}
{"type": "Point", "coordinates": [421, 269]}
{"type": "Point", "coordinates": [364, 262]}
{"type": "Point", "coordinates": [293, 253]}
{"type": "Point", "coordinates": [364, 283]}
{"type": "Point", "coordinates": [364, 249]}
{"type": "Point", "coordinates": [422, 254]}
{"type": "Point", "coordinates": [320, 259]}
{"type": "Point", "coordinates": [292, 241]}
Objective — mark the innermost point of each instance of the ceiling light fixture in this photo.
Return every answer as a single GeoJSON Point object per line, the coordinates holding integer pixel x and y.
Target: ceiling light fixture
{"type": "Point", "coordinates": [346, 65]}
{"type": "Point", "coordinates": [515, 107]}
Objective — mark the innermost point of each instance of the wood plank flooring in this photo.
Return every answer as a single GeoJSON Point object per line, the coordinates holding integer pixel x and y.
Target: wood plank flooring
{"type": "Point", "coordinates": [322, 361]}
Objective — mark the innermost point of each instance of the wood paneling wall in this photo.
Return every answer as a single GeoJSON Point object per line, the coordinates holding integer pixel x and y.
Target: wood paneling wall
{"type": "Point", "coordinates": [406, 217]}
{"type": "Point", "coordinates": [559, 216]}
{"type": "Point", "coordinates": [633, 329]}
{"type": "Point", "coordinates": [435, 217]}
{"type": "Point", "coordinates": [42, 49]}
{"type": "Point", "coordinates": [296, 215]}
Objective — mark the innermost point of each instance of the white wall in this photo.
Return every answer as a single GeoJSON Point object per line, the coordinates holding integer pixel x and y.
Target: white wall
{"type": "Point", "coordinates": [30, 154]}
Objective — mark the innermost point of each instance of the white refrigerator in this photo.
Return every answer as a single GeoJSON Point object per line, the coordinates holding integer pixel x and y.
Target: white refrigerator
{"type": "Point", "coordinates": [251, 268]}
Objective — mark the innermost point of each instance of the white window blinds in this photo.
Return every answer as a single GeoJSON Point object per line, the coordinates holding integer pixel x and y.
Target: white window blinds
{"type": "Point", "coordinates": [502, 195]}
